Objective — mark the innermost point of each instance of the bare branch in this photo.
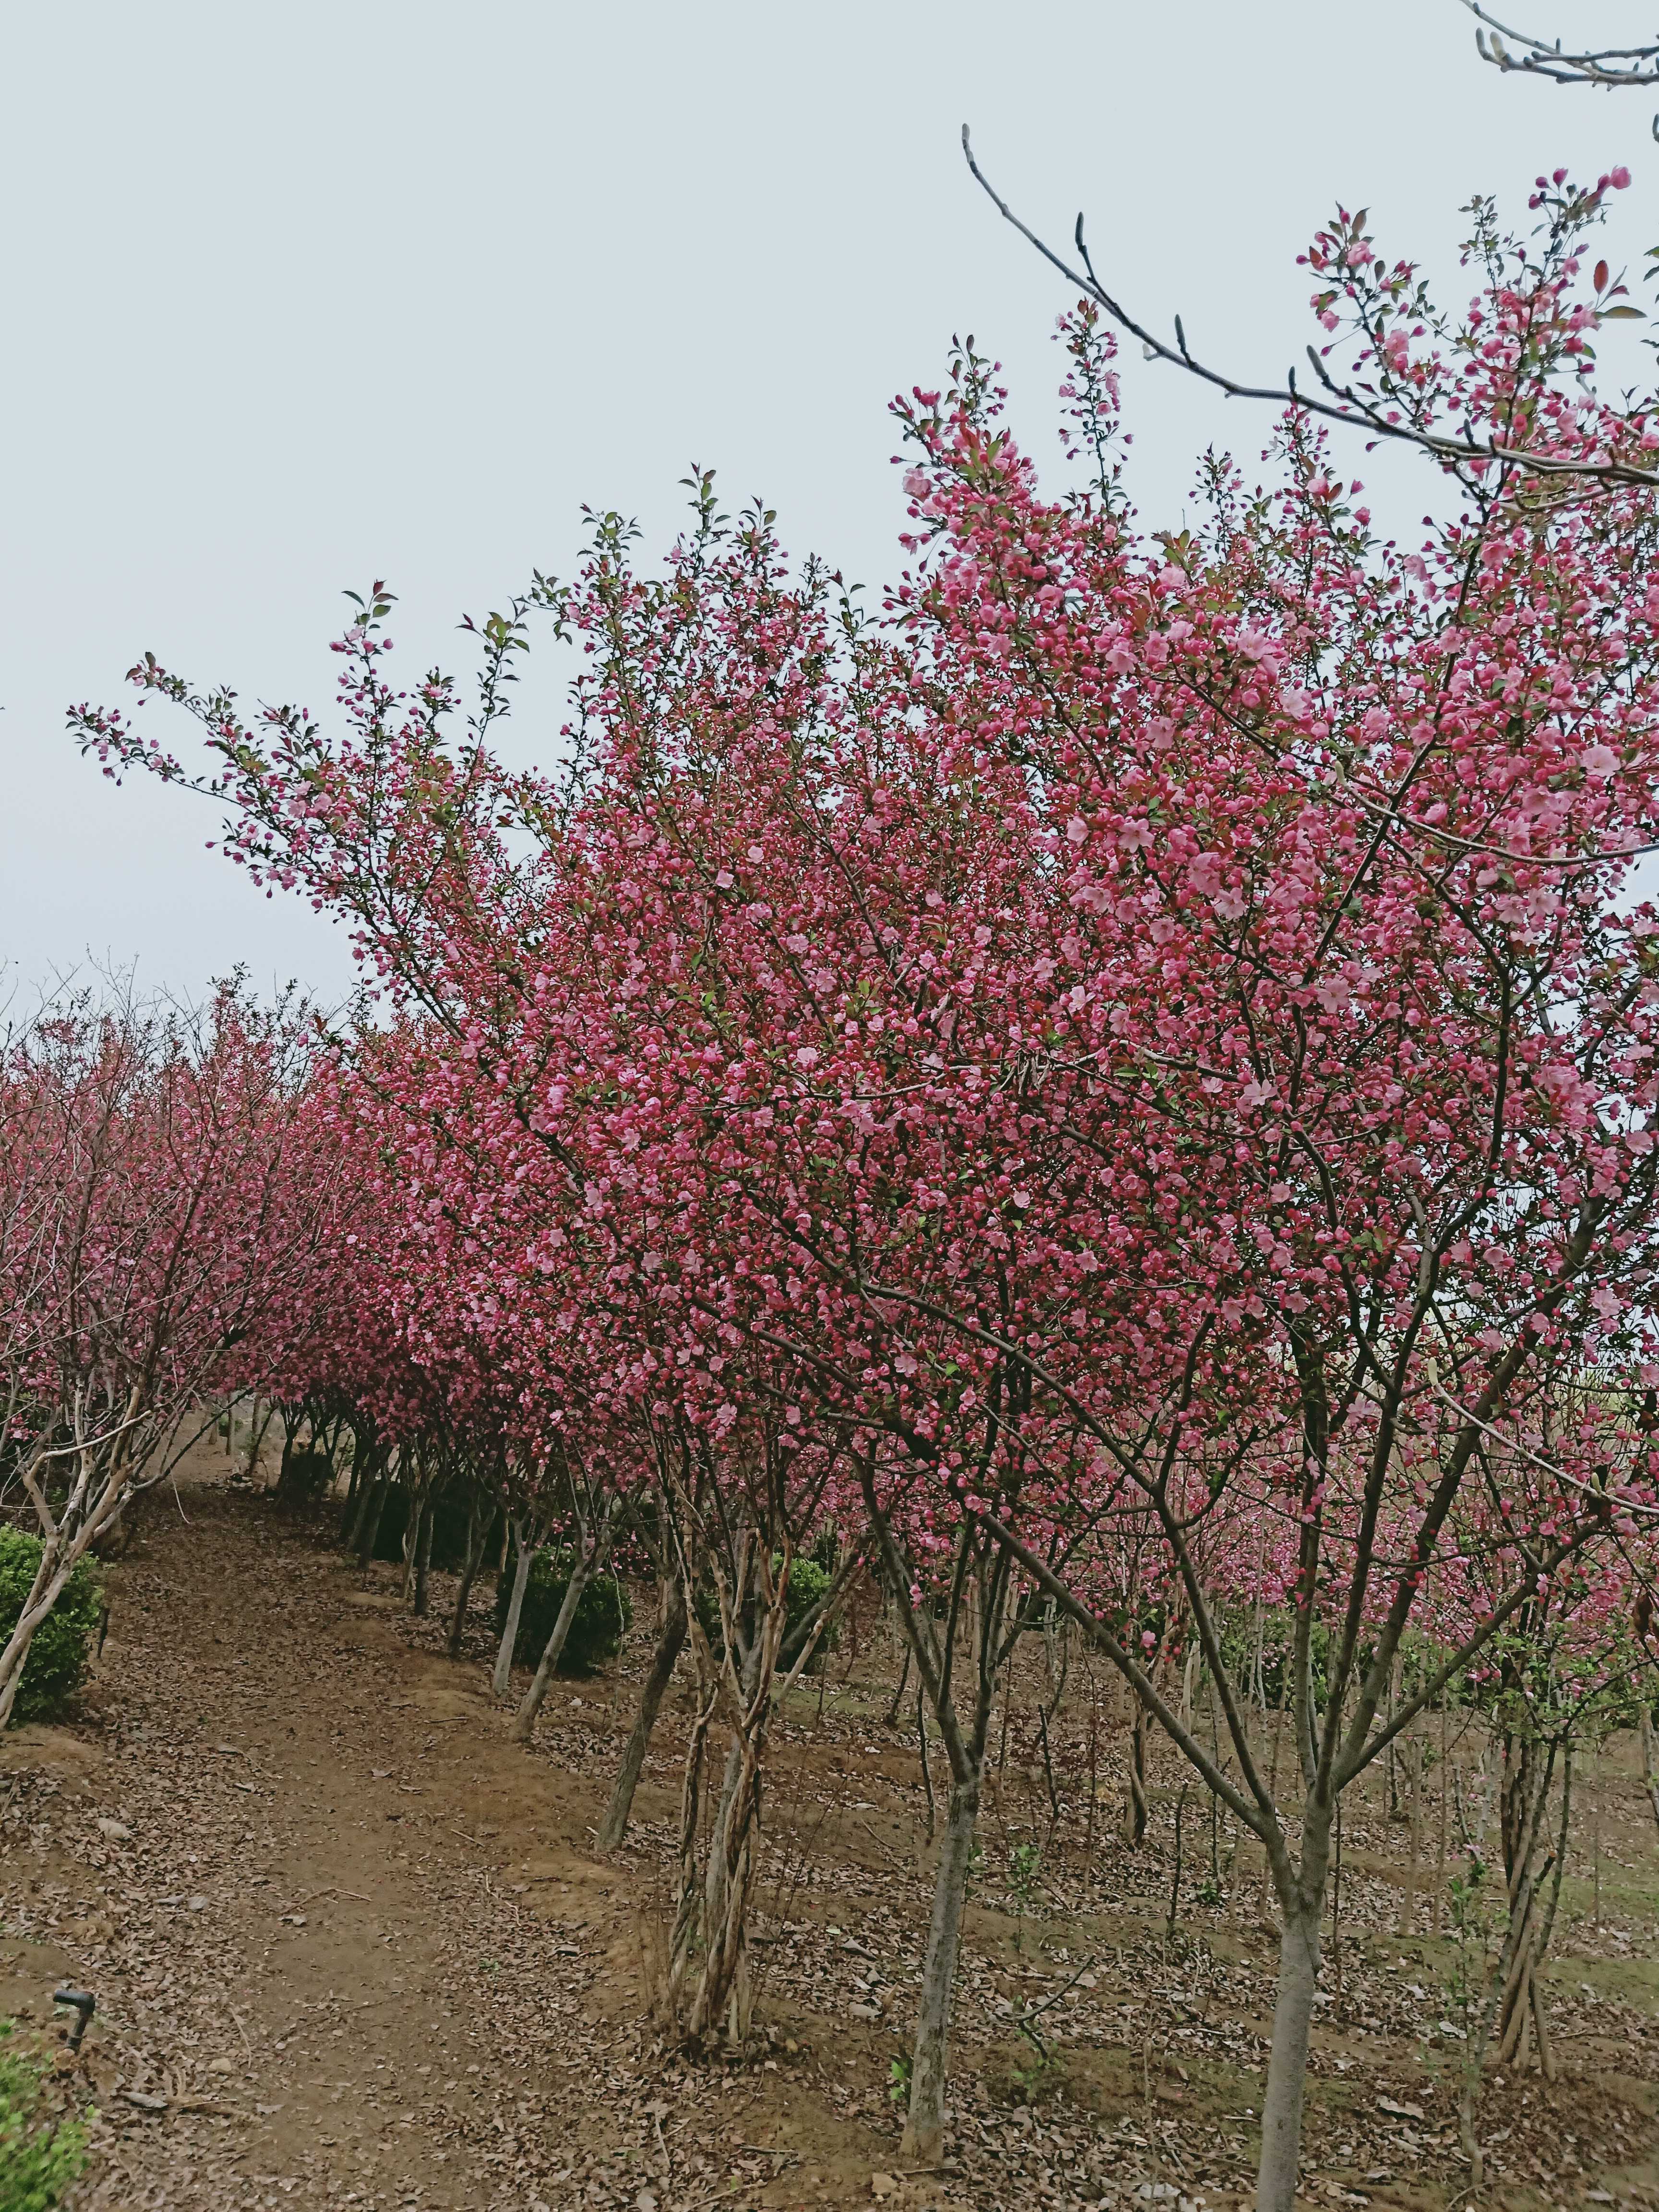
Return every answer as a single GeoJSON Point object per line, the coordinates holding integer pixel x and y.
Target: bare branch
{"type": "Point", "coordinates": [1468, 458]}
{"type": "Point", "coordinates": [1612, 67]}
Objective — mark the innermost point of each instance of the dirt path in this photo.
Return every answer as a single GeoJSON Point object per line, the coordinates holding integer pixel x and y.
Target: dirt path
{"type": "Point", "coordinates": [331, 1916]}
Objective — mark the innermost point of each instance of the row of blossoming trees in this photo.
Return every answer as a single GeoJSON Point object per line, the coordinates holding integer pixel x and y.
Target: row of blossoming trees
{"type": "Point", "coordinates": [168, 1199]}
{"type": "Point", "coordinates": [1120, 1085]}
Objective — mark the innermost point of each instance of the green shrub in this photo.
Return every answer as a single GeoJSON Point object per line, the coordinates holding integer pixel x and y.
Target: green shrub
{"type": "Point", "coordinates": [603, 1614]}
{"type": "Point", "coordinates": [808, 1581]}
{"type": "Point", "coordinates": [40, 2155]}
{"type": "Point", "coordinates": [63, 1643]}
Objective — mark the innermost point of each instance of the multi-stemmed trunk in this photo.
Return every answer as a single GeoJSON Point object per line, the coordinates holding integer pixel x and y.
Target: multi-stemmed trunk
{"type": "Point", "coordinates": [970, 1641]}
{"type": "Point", "coordinates": [56, 1563]}
{"type": "Point", "coordinates": [754, 1608]}
{"type": "Point", "coordinates": [105, 1481]}
{"type": "Point", "coordinates": [713, 1903]}
{"type": "Point", "coordinates": [724, 1993]}
{"type": "Point", "coordinates": [671, 1641]}
{"type": "Point", "coordinates": [1513, 2001]}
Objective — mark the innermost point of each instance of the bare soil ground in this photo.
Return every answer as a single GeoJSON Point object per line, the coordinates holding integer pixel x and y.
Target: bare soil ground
{"type": "Point", "coordinates": [351, 1947]}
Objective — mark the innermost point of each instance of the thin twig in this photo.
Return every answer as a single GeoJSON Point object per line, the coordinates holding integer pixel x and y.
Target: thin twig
{"type": "Point", "coordinates": [1344, 405]}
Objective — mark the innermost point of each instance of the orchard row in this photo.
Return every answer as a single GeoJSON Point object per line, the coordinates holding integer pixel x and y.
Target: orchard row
{"type": "Point", "coordinates": [1117, 1086]}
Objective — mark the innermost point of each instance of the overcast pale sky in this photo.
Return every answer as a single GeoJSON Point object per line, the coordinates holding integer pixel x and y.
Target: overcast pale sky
{"type": "Point", "coordinates": [297, 297]}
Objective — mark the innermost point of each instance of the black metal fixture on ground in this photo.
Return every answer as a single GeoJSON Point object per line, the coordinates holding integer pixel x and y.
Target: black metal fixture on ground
{"type": "Point", "coordinates": [85, 2005]}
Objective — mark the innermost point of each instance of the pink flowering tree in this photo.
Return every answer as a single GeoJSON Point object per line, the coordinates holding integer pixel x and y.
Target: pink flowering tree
{"type": "Point", "coordinates": [163, 1182]}
{"type": "Point", "coordinates": [1134, 1073]}
{"type": "Point", "coordinates": [1344, 1021]}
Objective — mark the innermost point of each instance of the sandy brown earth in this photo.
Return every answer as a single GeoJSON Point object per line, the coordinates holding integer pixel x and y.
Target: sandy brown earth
{"type": "Point", "coordinates": [351, 1947]}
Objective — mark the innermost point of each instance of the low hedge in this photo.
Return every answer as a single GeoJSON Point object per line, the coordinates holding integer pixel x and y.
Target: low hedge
{"type": "Point", "coordinates": [62, 1648]}
{"type": "Point", "coordinates": [808, 1581]}
{"type": "Point", "coordinates": [603, 1614]}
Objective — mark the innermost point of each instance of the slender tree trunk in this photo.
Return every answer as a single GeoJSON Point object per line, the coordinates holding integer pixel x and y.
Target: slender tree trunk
{"type": "Point", "coordinates": [1287, 2065]}
{"type": "Point", "coordinates": [592, 1548]}
{"type": "Point", "coordinates": [412, 1546]}
{"type": "Point", "coordinates": [1440, 1841]}
{"type": "Point", "coordinates": [423, 1559]}
{"type": "Point", "coordinates": [898, 1694]}
{"type": "Point", "coordinates": [351, 1533]}
{"type": "Point", "coordinates": [60, 1554]}
{"type": "Point", "coordinates": [1173, 1917]}
{"type": "Point", "coordinates": [671, 1641]}
{"type": "Point", "coordinates": [44, 1591]}
{"type": "Point", "coordinates": [1136, 1809]}
{"type": "Point", "coordinates": [1094, 1761]}
{"type": "Point", "coordinates": [477, 1535]}
{"type": "Point", "coordinates": [501, 1681]}
{"type": "Point", "coordinates": [1413, 1756]}
{"type": "Point", "coordinates": [372, 1519]}
{"type": "Point", "coordinates": [927, 1770]}
{"type": "Point", "coordinates": [924, 2126]}
{"type": "Point", "coordinates": [524, 1721]}
{"type": "Point", "coordinates": [354, 1492]}
{"type": "Point", "coordinates": [258, 1424]}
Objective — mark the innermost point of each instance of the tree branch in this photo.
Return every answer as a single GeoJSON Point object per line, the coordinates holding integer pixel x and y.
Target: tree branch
{"type": "Point", "coordinates": [1343, 404]}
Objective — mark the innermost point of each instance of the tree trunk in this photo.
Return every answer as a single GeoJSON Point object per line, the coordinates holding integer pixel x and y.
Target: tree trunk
{"type": "Point", "coordinates": [257, 1440]}
{"type": "Point", "coordinates": [501, 1681]}
{"type": "Point", "coordinates": [524, 1721]}
{"type": "Point", "coordinates": [478, 1534]}
{"type": "Point", "coordinates": [1287, 2065]}
{"type": "Point", "coordinates": [671, 1641]}
{"type": "Point", "coordinates": [1440, 1841]}
{"type": "Point", "coordinates": [1136, 1809]}
{"type": "Point", "coordinates": [924, 2126]}
{"type": "Point", "coordinates": [354, 1490]}
{"type": "Point", "coordinates": [351, 1533]}
{"type": "Point", "coordinates": [724, 1989]}
{"type": "Point", "coordinates": [412, 1547]}
{"type": "Point", "coordinates": [372, 1520]}
{"type": "Point", "coordinates": [1413, 1756]}
{"type": "Point", "coordinates": [44, 1593]}
{"type": "Point", "coordinates": [423, 1560]}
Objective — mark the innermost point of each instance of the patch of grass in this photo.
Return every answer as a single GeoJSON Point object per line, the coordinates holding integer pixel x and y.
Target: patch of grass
{"type": "Point", "coordinates": [40, 2153]}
